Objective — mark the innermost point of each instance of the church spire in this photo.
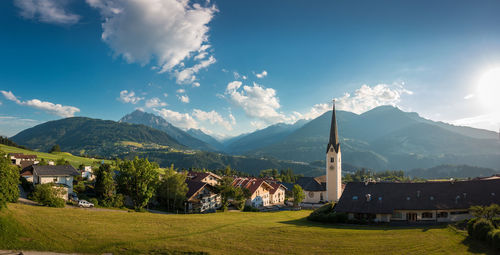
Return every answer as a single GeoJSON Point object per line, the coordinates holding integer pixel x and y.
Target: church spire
{"type": "Point", "coordinates": [334, 137]}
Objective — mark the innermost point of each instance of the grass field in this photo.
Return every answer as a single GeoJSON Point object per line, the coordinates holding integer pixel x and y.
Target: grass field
{"type": "Point", "coordinates": [91, 231]}
{"type": "Point", "coordinates": [73, 160]}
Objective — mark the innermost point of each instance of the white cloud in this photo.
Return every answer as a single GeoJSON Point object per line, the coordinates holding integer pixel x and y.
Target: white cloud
{"type": "Point", "coordinates": [261, 75]}
{"type": "Point", "coordinates": [183, 98]}
{"type": "Point", "coordinates": [168, 32]}
{"type": "Point", "coordinates": [244, 77]}
{"type": "Point", "coordinates": [56, 109]}
{"type": "Point", "coordinates": [155, 102]}
{"type": "Point", "coordinates": [469, 96]}
{"type": "Point", "coordinates": [214, 118]}
{"type": "Point", "coordinates": [181, 120]}
{"type": "Point", "coordinates": [257, 101]}
{"type": "Point", "coordinates": [314, 112]}
{"type": "Point", "coordinates": [181, 91]}
{"type": "Point", "coordinates": [196, 84]}
{"type": "Point", "coordinates": [47, 11]}
{"type": "Point", "coordinates": [367, 98]}
{"type": "Point", "coordinates": [187, 75]}
{"type": "Point", "coordinates": [165, 94]}
{"type": "Point", "coordinates": [129, 97]}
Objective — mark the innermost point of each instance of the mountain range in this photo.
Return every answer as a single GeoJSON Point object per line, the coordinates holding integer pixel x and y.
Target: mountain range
{"type": "Point", "coordinates": [380, 139]}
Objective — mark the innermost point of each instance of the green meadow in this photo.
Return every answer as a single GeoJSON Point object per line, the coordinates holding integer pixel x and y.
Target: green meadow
{"type": "Point", "coordinates": [288, 232]}
{"type": "Point", "coordinates": [73, 160]}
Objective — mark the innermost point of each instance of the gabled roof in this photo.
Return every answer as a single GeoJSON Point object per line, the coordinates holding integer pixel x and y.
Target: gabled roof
{"type": "Point", "coordinates": [199, 176]}
{"type": "Point", "coordinates": [311, 184]}
{"type": "Point", "coordinates": [252, 184]}
{"type": "Point", "coordinates": [385, 197]}
{"type": "Point", "coordinates": [48, 170]}
{"type": "Point", "coordinates": [22, 156]}
{"type": "Point", "coordinates": [275, 187]}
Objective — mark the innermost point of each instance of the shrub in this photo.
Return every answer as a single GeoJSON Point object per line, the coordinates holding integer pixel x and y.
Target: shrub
{"type": "Point", "coordinates": [27, 185]}
{"type": "Point", "coordinates": [48, 195]}
{"type": "Point", "coordinates": [94, 201]}
{"type": "Point", "coordinates": [494, 238]}
{"type": "Point", "coordinates": [326, 214]}
{"type": "Point", "coordinates": [248, 208]}
{"type": "Point", "coordinates": [496, 222]}
{"type": "Point", "coordinates": [481, 229]}
{"type": "Point", "coordinates": [470, 226]}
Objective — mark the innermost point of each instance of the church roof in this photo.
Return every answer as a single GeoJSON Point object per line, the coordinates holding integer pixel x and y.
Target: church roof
{"type": "Point", "coordinates": [311, 184]}
{"type": "Point", "coordinates": [385, 197]}
{"type": "Point", "coordinates": [334, 137]}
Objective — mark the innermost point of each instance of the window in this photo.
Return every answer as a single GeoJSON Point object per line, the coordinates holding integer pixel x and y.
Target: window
{"type": "Point", "coordinates": [311, 194]}
{"type": "Point", "coordinates": [332, 159]}
{"type": "Point", "coordinates": [442, 215]}
{"type": "Point", "coordinates": [331, 149]}
{"type": "Point", "coordinates": [354, 197]}
{"type": "Point", "coordinates": [55, 179]}
{"type": "Point", "coordinates": [426, 215]}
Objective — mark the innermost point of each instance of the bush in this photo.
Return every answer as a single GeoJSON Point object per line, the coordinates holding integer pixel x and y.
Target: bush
{"type": "Point", "coordinates": [481, 228]}
{"type": "Point", "coordinates": [470, 226]}
{"type": "Point", "coordinates": [27, 185]}
{"type": "Point", "coordinates": [494, 238]}
{"type": "Point", "coordinates": [326, 214]}
{"type": "Point", "coordinates": [48, 195]}
{"type": "Point", "coordinates": [496, 222]}
{"type": "Point", "coordinates": [94, 201]}
{"type": "Point", "coordinates": [248, 208]}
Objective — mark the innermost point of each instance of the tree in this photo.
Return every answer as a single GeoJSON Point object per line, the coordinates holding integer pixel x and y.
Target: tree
{"type": "Point", "coordinates": [172, 190]}
{"type": "Point", "coordinates": [138, 179]}
{"type": "Point", "coordinates": [486, 212]}
{"type": "Point", "coordinates": [42, 162]}
{"type": "Point", "coordinates": [105, 187]}
{"type": "Point", "coordinates": [9, 182]}
{"type": "Point", "coordinates": [48, 194]}
{"type": "Point", "coordinates": [55, 148]}
{"type": "Point", "coordinates": [226, 191]}
{"type": "Point", "coordinates": [62, 162]}
{"type": "Point", "coordinates": [298, 194]}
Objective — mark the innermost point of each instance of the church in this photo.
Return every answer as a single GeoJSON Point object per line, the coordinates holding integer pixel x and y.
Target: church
{"type": "Point", "coordinates": [431, 201]}
{"type": "Point", "coordinates": [326, 188]}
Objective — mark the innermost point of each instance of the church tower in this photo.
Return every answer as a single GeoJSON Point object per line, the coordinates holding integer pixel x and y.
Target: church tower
{"type": "Point", "coordinates": [333, 163]}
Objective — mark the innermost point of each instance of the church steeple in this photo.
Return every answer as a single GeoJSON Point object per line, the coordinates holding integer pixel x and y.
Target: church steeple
{"type": "Point", "coordinates": [334, 137]}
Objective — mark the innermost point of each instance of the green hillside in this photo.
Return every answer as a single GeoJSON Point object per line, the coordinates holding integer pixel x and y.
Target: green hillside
{"type": "Point", "coordinates": [73, 160]}
{"type": "Point", "coordinates": [91, 136]}
{"type": "Point", "coordinates": [100, 231]}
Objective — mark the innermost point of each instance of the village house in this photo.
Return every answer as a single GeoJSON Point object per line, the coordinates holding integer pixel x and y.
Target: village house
{"type": "Point", "coordinates": [201, 197]}
{"type": "Point", "coordinates": [437, 201]}
{"type": "Point", "coordinates": [258, 188]}
{"type": "Point", "coordinates": [22, 160]}
{"type": "Point", "coordinates": [87, 173]}
{"type": "Point", "coordinates": [61, 175]}
{"type": "Point", "coordinates": [277, 194]}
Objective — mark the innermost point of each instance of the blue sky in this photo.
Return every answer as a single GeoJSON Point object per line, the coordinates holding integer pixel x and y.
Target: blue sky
{"type": "Point", "coordinates": [229, 67]}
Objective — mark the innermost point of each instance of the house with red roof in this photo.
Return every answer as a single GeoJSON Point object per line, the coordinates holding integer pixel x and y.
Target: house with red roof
{"type": "Point", "coordinates": [262, 193]}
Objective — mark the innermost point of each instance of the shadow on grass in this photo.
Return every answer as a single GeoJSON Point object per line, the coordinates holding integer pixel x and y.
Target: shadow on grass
{"type": "Point", "coordinates": [303, 222]}
{"type": "Point", "coordinates": [479, 247]}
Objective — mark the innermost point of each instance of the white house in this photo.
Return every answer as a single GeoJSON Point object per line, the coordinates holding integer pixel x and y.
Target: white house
{"type": "Point", "coordinates": [60, 175]}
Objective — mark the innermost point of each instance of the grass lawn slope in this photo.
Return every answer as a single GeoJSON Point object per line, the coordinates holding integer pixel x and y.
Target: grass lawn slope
{"type": "Point", "coordinates": [73, 160]}
{"type": "Point", "coordinates": [98, 231]}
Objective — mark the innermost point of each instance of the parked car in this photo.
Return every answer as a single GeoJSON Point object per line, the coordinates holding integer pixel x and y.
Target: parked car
{"type": "Point", "coordinates": [85, 203]}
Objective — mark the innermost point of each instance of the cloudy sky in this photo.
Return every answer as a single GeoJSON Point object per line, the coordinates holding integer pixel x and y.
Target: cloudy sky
{"type": "Point", "coordinates": [229, 67]}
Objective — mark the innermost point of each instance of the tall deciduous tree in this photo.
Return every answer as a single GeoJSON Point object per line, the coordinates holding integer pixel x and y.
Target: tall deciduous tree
{"type": "Point", "coordinates": [105, 186]}
{"type": "Point", "coordinates": [172, 190]}
{"type": "Point", "coordinates": [9, 182]}
{"type": "Point", "coordinates": [55, 148]}
{"type": "Point", "coordinates": [138, 180]}
{"type": "Point", "coordinates": [298, 194]}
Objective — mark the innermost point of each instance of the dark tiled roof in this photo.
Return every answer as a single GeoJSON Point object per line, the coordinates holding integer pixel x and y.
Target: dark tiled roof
{"type": "Point", "coordinates": [276, 186]}
{"type": "Point", "coordinates": [26, 163]}
{"type": "Point", "coordinates": [194, 187]}
{"type": "Point", "coordinates": [389, 196]}
{"type": "Point", "coordinates": [64, 170]}
{"type": "Point", "coordinates": [311, 184]}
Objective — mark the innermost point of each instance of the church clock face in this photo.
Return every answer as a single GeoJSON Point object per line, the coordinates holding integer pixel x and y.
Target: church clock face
{"type": "Point", "coordinates": [332, 167]}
